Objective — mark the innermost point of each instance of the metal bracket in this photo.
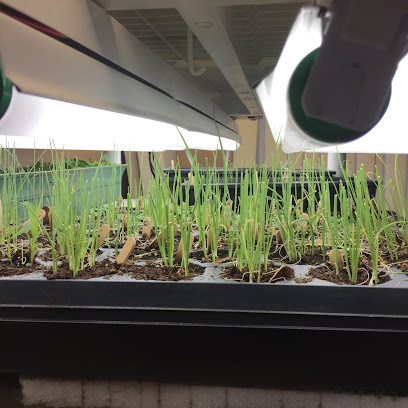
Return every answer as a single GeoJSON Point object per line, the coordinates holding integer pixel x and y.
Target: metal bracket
{"type": "Point", "coordinates": [190, 59]}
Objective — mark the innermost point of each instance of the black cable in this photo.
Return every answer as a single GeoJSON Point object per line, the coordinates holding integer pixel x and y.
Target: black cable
{"type": "Point", "coordinates": [56, 35]}
{"type": "Point", "coordinates": [125, 178]}
{"type": "Point", "coordinates": [151, 165]}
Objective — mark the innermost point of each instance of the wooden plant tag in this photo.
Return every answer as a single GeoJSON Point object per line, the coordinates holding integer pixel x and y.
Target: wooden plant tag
{"type": "Point", "coordinates": [299, 205]}
{"type": "Point", "coordinates": [332, 257]}
{"type": "Point", "coordinates": [172, 164]}
{"type": "Point", "coordinates": [124, 220]}
{"type": "Point", "coordinates": [41, 214]}
{"type": "Point", "coordinates": [48, 217]}
{"type": "Point", "coordinates": [374, 204]}
{"type": "Point", "coordinates": [126, 250]}
{"type": "Point", "coordinates": [102, 234]}
{"type": "Point", "coordinates": [186, 223]}
{"type": "Point", "coordinates": [251, 222]}
{"type": "Point", "coordinates": [207, 217]}
{"type": "Point", "coordinates": [120, 201]}
{"type": "Point", "coordinates": [24, 223]}
{"type": "Point", "coordinates": [227, 217]}
{"type": "Point", "coordinates": [284, 272]}
{"type": "Point", "coordinates": [178, 257]}
{"type": "Point", "coordinates": [155, 242]}
{"type": "Point", "coordinates": [147, 228]}
{"type": "Point", "coordinates": [278, 237]}
{"type": "Point", "coordinates": [302, 224]}
{"type": "Point", "coordinates": [191, 178]}
{"type": "Point", "coordinates": [141, 201]}
{"type": "Point", "coordinates": [210, 234]}
{"type": "Point", "coordinates": [273, 204]}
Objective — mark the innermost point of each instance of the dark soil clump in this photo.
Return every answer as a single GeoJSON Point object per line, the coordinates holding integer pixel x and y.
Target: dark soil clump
{"type": "Point", "coordinates": [199, 255]}
{"type": "Point", "coordinates": [307, 259]}
{"type": "Point", "coordinates": [273, 274]}
{"type": "Point", "coordinates": [327, 273]}
{"type": "Point", "coordinates": [7, 269]}
{"type": "Point", "coordinates": [140, 272]}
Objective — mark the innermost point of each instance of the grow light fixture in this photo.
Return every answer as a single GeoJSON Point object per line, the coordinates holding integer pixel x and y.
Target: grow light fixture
{"type": "Point", "coordinates": [336, 94]}
{"type": "Point", "coordinates": [83, 81]}
{"type": "Point", "coordinates": [36, 122]}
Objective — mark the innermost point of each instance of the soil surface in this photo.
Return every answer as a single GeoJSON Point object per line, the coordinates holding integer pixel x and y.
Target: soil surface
{"type": "Point", "coordinates": [141, 272]}
{"type": "Point", "coordinates": [400, 263]}
{"type": "Point", "coordinates": [273, 274]}
{"type": "Point", "coordinates": [278, 254]}
{"type": "Point", "coordinates": [222, 255]}
{"type": "Point", "coordinates": [153, 271]}
{"type": "Point", "coordinates": [327, 273]}
{"type": "Point", "coordinates": [7, 269]}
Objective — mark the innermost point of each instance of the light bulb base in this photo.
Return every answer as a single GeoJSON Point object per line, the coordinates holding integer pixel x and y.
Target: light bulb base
{"type": "Point", "coordinates": [318, 129]}
{"type": "Point", "coordinates": [6, 89]}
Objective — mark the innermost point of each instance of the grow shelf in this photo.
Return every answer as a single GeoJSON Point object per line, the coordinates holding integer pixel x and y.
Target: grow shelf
{"type": "Point", "coordinates": [214, 333]}
{"type": "Point", "coordinates": [306, 307]}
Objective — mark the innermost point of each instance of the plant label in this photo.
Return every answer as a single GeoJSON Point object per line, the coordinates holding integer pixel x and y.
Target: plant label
{"type": "Point", "coordinates": [251, 222]}
{"type": "Point", "coordinates": [163, 236]}
{"type": "Point", "coordinates": [147, 228]}
{"type": "Point", "coordinates": [211, 245]}
{"type": "Point", "coordinates": [124, 220]}
{"type": "Point", "coordinates": [102, 234]}
{"type": "Point", "coordinates": [339, 261]}
{"type": "Point", "coordinates": [284, 272]}
{"type": "Point", "coordinates": [41, 214]}
{"type": "Point", "coordinates": [48, 217]}
{"type": "Point", "coordinates": [278, 237]}
{"type": "Point", "coordinates": [126, 250]}
{"type": "Point", "coordinates": [207, 217]}
{"type": "Point", "coordinates": [178, 257]}
{"type": "Point", "coordinates": [120, 201]}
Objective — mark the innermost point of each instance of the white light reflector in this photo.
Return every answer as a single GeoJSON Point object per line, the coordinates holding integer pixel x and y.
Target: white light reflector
{"type": "Point", "coordinates": [37, 122]}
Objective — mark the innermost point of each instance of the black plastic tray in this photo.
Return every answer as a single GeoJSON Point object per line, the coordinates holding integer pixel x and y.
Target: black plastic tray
{"type": "Point", "coordinates": [206, 304]}
{"type": "Point", "coordinates": [211, 333]}
{"type": "Point", "coordinates": [234, 190]}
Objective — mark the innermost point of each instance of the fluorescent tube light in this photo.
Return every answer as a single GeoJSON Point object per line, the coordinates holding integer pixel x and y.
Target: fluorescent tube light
{"type": "Point", "coordinates": [388, 136]}
{"type": "Point", "coordinates": [33, 121]}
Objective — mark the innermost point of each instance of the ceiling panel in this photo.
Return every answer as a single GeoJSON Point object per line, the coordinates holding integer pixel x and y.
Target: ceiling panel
{"type": "Point", "coordinates": [257, 33]}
